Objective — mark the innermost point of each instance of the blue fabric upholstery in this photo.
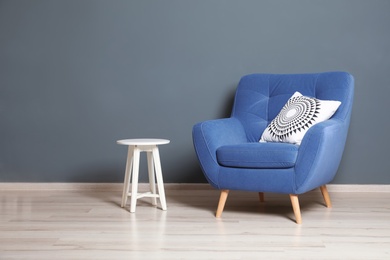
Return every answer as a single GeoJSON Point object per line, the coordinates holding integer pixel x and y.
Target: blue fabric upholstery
{"type": "Point", "coordinates": [258, 155]}
{"type": "Point", "coordinates": [228, 149]}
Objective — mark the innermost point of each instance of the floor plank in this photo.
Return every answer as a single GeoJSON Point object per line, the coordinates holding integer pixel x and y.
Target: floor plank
{"type": "Point", "coordinates": [92, 225]}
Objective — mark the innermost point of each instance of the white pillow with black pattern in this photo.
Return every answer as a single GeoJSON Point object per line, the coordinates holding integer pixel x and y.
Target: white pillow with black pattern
{"type": "Point", "coordinates": [296, 117]}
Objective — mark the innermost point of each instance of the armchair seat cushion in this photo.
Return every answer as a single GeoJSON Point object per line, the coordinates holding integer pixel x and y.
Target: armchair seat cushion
{"type": "Point", "coordinates": [258, 155]}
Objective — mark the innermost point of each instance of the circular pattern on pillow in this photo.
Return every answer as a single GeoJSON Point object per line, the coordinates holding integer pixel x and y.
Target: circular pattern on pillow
{"type": "Point", "coordinates": [296, 117]}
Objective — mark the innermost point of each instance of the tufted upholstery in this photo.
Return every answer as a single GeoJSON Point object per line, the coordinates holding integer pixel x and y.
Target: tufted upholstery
{"type": "Point", "coordinates": [258, 99]}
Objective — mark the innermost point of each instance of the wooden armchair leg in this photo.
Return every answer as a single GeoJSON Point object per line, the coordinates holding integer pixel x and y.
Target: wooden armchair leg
{"type": "Point", "coordinates": [296, 208]}
{"type": "Point", "coordinates": [261, 196]}
{"type": "Point", "coordinates": [222, 201]}
{"type": "Point", "coordinates": [325, 194]}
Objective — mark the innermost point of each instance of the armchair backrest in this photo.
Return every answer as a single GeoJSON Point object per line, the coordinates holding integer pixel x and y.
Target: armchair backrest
{"type": "Point", "coordinates": [260, 97]}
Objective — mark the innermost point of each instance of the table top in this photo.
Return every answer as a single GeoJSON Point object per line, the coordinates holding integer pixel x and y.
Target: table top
{"type": "Point", "coordinates": [143, 141]}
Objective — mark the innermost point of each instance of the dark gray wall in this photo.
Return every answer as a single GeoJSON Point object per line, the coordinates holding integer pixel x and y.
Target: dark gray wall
{"type": "Point", "coordinates": [75, 76]}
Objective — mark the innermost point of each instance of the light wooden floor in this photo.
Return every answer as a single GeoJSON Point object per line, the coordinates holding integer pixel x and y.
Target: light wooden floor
{"type": "Point", "coordinates": [91, 225]}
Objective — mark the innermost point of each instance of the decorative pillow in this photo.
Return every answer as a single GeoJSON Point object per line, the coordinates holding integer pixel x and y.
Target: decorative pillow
{"type": "Point", "coordinates": [296, 117]}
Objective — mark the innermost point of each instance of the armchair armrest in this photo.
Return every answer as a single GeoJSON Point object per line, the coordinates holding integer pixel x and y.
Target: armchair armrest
{"type": "Point", "coordinates": [208, 136]}
{"type": "Point", "coordinates": [320, 154]}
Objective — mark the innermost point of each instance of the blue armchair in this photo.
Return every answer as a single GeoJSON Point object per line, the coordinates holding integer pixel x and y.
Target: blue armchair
{"type": "Point", "coordinates": [275, 166]}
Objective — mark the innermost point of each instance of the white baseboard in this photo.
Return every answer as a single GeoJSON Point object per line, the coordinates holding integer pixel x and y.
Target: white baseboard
{"type": "Point", "coordinates": [358, 187]}
{"type": "Point", "coordinates": [32, 186]}
{"type": "Point", "coordinates": [168, 186]}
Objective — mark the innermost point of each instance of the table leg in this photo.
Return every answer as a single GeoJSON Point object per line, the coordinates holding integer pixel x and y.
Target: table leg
{"type": "Point", "coordinates": [134, 181]}
{"type": "Point", "coordinates": [160, 183]}
{"type": "Point", "coordinates": [152, 182]}
{"type": "Point", "coordinates": [126, 183]}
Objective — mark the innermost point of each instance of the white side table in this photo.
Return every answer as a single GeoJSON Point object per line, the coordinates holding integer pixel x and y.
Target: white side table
{"type": "Point", "coordinates": [136, 146]}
